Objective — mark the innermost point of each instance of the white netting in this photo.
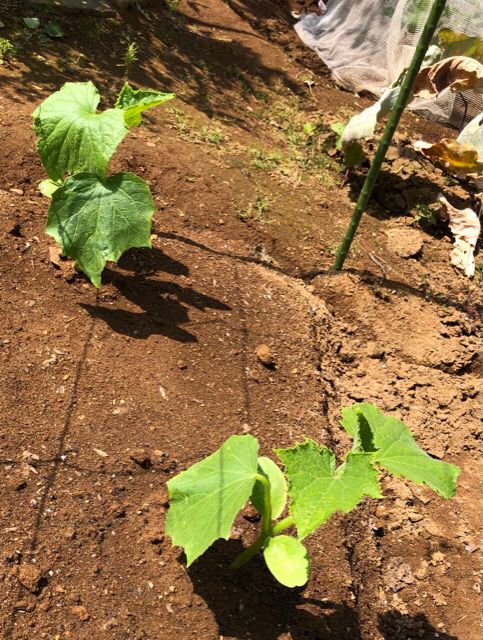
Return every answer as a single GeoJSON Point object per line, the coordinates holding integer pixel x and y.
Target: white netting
{"type": "Point", "coordinates": [368, 43]}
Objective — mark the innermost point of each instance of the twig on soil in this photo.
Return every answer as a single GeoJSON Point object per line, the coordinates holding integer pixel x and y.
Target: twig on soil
{"type": "Point", "coordinates": [384, 267]}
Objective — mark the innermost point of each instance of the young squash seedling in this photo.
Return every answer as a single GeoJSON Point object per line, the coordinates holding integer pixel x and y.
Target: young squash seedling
{"type": "Point", "coordinates": [206, 498]}
{"type": "Point", "coordinates": [93, 217]}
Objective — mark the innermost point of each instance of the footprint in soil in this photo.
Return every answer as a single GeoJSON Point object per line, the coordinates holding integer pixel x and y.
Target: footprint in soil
{"type": "Point", "coordinates": [164, 304]}
{"type": "Point", "coordinates": [249, 603]}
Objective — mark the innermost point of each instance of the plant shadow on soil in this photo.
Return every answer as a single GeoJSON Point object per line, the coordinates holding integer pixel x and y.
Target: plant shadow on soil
{"type": "Point", "coordinates": [250, 604]}
{"type": "Point", "coordinates": [164, 304]}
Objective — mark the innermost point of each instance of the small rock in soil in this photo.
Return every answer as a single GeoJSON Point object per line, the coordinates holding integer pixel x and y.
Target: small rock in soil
{"type": "Point", "coordinates": [406, 243]}
{"type": "Point", "coordinates": [110, 624]}
{"type": "Point", "coordinates": [153, 533]}
{"type": "Point", "coordinates": [29, 576]}
{"type": "Point", "coordinates": [434, 529]}
{"type": "Point", "coordinates": [24, 605]}
{"type": "Point", "coordinates": [373, 350]}
{"type": "Point", "coordinates": [81, 612]}
{"type": "Point", "coordinates": [141, 457]}
{"type": "Point", "coordinates": [265, 356]}
{"type": "Point", "coordinates": [415, 517]}
{"type": "Point", "coordinates": [117, 510]}
{"type": "Point", "coordinates": [400, 489]}
{"type": "Point", "coordinates": [69, 533]}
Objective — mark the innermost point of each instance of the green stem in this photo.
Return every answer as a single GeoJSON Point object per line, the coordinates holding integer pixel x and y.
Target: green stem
{"type": "Point", "coordinates": [282, 525]}
{"type": "Point", "coordinates": [249, 552]}
{"type": "Point", "coordinates": [254, 548]}
{"type": "Point", "coordinates": [267, 505]}
{"type": "Point", "coordinates": [395, 115]}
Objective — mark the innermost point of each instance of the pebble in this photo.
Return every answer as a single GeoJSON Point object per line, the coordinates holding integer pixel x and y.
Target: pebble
{"type": "Point", "coordinates": [141, 457]}
{"type": "Point", "coordinates": [265, 356]}
{"type": "Point", "coordinates": [406, 243]}
{"type": "Point", "coordinates": [18, 192]}
{"type": "Point", "coordinates": [29, 576]}
{"type": "Point", "coordinates": [415, 517]}
{"type": "Point", "coordinates": [81, 612]}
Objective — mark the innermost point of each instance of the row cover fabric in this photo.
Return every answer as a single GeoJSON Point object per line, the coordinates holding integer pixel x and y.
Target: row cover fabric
{"type": "Point", "coordinates": [368, 43]}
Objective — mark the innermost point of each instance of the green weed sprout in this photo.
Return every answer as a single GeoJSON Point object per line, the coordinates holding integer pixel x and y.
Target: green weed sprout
{"type": "Point", "coordinates": [206, 498]}
{"type": "Point", "coordinates": [131, 54]}
{"type": "Point", "coordinates": [7, 49]}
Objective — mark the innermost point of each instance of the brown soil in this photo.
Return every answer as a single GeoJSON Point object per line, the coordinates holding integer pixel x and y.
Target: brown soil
{"type": "Point", "coordinates": [105, 395]}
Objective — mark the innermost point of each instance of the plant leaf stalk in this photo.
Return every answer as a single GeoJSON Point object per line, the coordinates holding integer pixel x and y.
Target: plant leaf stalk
{"type": "Point", "coordinates": [268, 531]}
{"type": "Point", "coordinates": [394, 117]}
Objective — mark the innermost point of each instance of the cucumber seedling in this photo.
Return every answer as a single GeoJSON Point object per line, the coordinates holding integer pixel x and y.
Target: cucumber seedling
{"type": "Point", "coordinates": [93, 217]}
{"type": "Point", "coordinates": [206, 498]}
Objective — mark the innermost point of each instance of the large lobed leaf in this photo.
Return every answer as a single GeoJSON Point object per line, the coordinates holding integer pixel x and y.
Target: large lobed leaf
{"type": "Point", "coordinates": [71, 136]}
{"type": "Point", "coordinates": [392, 446]}
{"type": "Point", "coordinates": [96, 220]}
{"type": "Point", "coordinates": [318, 490]}
{"type": "Point", "coordinates": [134, 101]}
{"type": "Point", "coordinates": [206, 498]}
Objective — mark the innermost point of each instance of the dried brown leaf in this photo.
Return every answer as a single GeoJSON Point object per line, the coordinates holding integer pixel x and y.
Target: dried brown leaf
{"type": "Point", "coordinates": [458, 73]}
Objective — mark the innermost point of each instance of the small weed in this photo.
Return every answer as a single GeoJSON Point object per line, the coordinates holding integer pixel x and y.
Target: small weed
{"type": "Point", "coordinates": [173, 5]}
{"type": "Point", "coordinates": [426, 215]}
{"type": "Point", "coordinates": [213, 136]}
{"type": "Point", "coordinates": [262, 96]}
{"type": "Point", "coordinates": [181, 122]}
{"type": "Point", "coordinates": [131, 54]}
{"type": "Point", "coordinates": [256, 210]}
{"type": "Point", "coordinates": [479, 272]}
{"type": "Point", "coordinates": [450, 182]}
{"type": "Point", "coordinates": [266, 160]}
{"type": "Point", "coordinates": [333, 249]}
{"type": "Point", "coordinates": [7, 49]}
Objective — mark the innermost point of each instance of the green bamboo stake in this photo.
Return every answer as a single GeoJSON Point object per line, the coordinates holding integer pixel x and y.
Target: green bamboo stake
{"type": "Point", "coordinates": [394, 117]}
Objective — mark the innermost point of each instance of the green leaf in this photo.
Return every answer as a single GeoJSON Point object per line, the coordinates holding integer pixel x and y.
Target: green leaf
{"type": "Point", "coordinates": [317, 489]}
{"type": "Point", "coordinates": [53, 30]}
{"type": "Point", "coordinates": [338, 129]}
{"type": "Point", "coordinates": [71, 136]}
{"type": "Point", "coordinates": [48, 187]}
{"type": "Point", "coordinates": [287, 559]}
{"type": "Point", "coordinates": [393, 447]}
{"type": "Point", "coordinates": [206, 498]}
{"type": "Point", "coordinates": [278, 487]}
{"type": "Point", "coordinates": [353, 154]}
{"type": "Point", "coordinates": [473, 134]}
{"type": "Point", "coordinates": [96, 220]}
{"type": "Point", "coordinates": [459, 44]}
{"type": "Point", "coordinates": [31, 23]}
{"type": "Point", "coordinates": [134, 101]}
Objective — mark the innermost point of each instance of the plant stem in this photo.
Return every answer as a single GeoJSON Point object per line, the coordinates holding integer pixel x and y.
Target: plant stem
{"type": "Point", "coordinates": [267, 505]}
{"type": "Point", "coordinates": [282, 525]}
{"type": "Point", "coordinates": [249, 552]}
{"type": "Point", "coordinates": [394, 117]}
{"type": "Point", "coordinates": [254, 548]}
